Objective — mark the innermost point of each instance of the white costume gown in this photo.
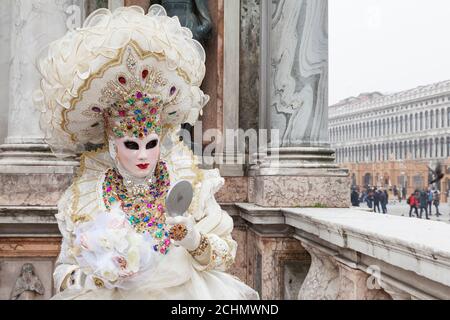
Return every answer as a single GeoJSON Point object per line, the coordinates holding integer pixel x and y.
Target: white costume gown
{"type": "Point", "coordinates": [177, 275]}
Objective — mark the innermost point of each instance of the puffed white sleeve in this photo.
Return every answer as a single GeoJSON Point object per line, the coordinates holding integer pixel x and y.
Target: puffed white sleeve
{"type": "Point", "coordinates": [215, 224]}
{"type": "Point", "coordinates": [65, 263]}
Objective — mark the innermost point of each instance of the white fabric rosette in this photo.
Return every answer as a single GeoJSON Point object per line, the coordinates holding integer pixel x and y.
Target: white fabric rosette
{"type": "Point", "coordinates": [112, 251]}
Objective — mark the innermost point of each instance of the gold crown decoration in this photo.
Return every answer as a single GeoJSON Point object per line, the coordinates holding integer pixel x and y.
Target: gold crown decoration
{"type": "Point", "coordinates": [139, 94]}
{"type": "Point", "coordinates": [124, 73]}
{"type": "Point", "coordinates": [135, 100]}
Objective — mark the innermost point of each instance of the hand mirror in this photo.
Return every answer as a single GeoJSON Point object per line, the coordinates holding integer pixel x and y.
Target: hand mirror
{"type": "Point", "coordinates": [179, 198]}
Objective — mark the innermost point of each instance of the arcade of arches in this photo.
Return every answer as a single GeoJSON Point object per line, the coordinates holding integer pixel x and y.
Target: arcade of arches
{"type": "Point", "coordinates": [391, 140]}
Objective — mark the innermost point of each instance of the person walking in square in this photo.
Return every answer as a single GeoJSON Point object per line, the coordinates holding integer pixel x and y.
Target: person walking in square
{"type": "Point", "coordinates": [412, 201]}
{"type": "Point", "coordinates": [423, 201]}
{"type": "Point", "coordinates": [436, 201]}
{"type": "Point", "coordinates": [376, 201]}
{"type": "Point", "coordinates": [430, 200]}
{"type": "Point", "coordinates": [383, 201]}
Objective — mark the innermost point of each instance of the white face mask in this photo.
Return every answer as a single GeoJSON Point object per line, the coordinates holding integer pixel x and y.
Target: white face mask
{"type": "Point", "coordinates": [135, 157]}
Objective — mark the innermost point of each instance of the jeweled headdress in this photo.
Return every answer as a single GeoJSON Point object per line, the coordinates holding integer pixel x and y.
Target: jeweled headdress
{"type": "Point", "coordinates": [124, 73]}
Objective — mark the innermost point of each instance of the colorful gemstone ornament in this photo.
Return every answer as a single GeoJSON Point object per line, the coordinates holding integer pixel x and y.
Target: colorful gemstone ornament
{"type": "Point", "coordinates": [136, 103]}
{"type": "Point", "coordinates": [145, 211]}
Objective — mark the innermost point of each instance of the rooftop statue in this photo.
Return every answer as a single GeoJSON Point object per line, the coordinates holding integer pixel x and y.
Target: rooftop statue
{"type": "Point", "coordinates": [193, 14]}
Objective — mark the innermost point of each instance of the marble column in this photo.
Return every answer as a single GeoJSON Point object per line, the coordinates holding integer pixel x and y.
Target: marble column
{"type": "Point", "coordinates": [32, 178]}
{"type": "Point", "coordinates": [29, 173]}
{"type": "Point", "coordinates": [5, 58]}
{"type": "Point", "coordinates": [231, 157]}
{"type": "Point", "coordinates": [299, 167]}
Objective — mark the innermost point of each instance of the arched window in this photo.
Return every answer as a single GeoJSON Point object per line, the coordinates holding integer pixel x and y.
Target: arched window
{"type": "Point", "coordinates": [395, 125]}
{"type": "Point", "coordinates": [421, 121]}
{"type": "Point", "coordinates": [411, 123]}
{"type": "Point", "coordinates": [425, 148]}
{"type": "Point", "coordinates": [431, 120]}
{"type": "Point", "coordinates": [436, 116]}
{"type": "Point", "coordinates": [411, 150]}
{"type": "Point", "coordinates": [416, 149]}
{"type": "Point", "coordinates": [442, 118]}
{"type": "Point", "coordinates": [416, 122]}
{"type": "Point", "coordinates": [420, 149]}
{"type": "Point", "coordinates": [405, 150]}
{"type": "Point", "coordinates": [431, 148]}
{"type": "Point", "coordinates": [447, 147]}
{"type": "Point", "coordinates": [436, 148]}
{"type": "Point", "coordinates": [448, 117]}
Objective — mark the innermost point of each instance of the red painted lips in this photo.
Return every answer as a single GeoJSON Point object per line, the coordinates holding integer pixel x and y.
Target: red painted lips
{"type": "Point", "coordinates": [143, 166]}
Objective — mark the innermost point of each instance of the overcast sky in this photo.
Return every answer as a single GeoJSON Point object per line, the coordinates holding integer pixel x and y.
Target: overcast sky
{"type": "Point", "coordinates": [387, 45]}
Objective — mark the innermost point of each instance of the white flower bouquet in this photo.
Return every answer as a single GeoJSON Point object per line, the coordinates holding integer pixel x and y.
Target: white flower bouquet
{"type": "Point", "coordinates": [112, 253]}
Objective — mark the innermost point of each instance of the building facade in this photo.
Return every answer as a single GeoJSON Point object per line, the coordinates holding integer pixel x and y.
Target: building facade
{"type": "Point", "coordinates": [391, 140]}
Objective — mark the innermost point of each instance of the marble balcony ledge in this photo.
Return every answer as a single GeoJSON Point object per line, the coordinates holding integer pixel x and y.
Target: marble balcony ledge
{"type": "Point", "coordinates": [412, 244]}
{"type": "Point", "coordinates": [417, 250]}
{"type": "Point", "coordinates": [26, 221]}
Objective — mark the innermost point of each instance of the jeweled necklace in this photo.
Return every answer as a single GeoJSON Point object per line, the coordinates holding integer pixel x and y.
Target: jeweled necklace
{"type": "Point", "coordinates": [145, 210]}
{"type": "Point", "coordinates": [136, 186]}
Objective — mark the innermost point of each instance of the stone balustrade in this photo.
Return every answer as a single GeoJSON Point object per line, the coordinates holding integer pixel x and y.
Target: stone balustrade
{"type": "Point", "coordinates": [360, 255]}
{"type": "Point", "coordinates": [298, 253]}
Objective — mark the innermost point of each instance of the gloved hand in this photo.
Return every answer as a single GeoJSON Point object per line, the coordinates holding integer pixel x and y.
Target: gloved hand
{"type": "Point", "coordinates": [74, 280]}
{"type": "Point", "coordinates": [192, 239]}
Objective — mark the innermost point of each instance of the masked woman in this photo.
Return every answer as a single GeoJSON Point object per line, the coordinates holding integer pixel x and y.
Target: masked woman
{"type": "Point", "coordinates": [129, 80]}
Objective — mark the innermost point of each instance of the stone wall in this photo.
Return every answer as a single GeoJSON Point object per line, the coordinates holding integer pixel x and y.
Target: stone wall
{"type": "Point", "coordinates": [249, 64]}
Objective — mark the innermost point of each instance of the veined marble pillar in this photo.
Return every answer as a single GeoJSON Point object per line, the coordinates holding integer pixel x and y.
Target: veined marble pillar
{"type": "Point", "coordinates": [5, 57]}
{"type": "Point", "coordinates": [30, 175]}
{"type": "Point", "coordinates": [34, 25]}
{"type": "Point", "coordinates": [232, 158]}
{"type": "Point", "coordinates": [299, 168]}
{"type": "Point", "coordinates": [32, 179]}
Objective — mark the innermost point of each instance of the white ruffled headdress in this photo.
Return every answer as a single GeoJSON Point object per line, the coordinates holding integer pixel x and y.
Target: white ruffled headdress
{"type": "Point", "coordinates": [78, 67]}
